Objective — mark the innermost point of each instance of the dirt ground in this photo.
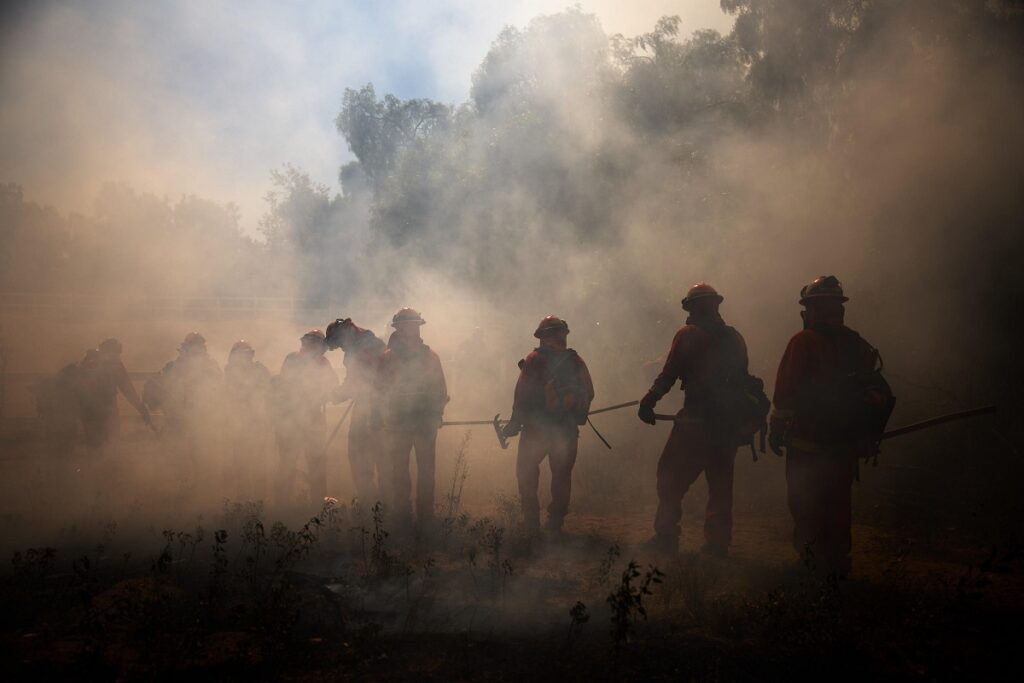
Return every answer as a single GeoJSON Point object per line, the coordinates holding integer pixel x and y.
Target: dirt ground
{"type": "Point", "coordinates": [349, 598]}
{"type": "Point", "coordinates": [118, 570]}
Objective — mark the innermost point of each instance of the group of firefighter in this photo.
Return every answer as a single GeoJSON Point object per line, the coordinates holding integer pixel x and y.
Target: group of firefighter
{"type": "Point", "coordinates": [829, 410]}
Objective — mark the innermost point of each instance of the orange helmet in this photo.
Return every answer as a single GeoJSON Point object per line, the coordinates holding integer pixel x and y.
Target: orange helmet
{"type": "Point", "coordinates": [551, 324]}
{"type": "Point", "coordinates": [823, 287]}
{"type": "Point", "coordinates": [407, 315]}
{"type": "Point", "coordinates": [701, 290]}
{"type": "Point", "coordinates": [241, 345]}
{"type": "Point", "coordinates": [313, 335]}
{"type": "Point", "coordinates": [193, 340]}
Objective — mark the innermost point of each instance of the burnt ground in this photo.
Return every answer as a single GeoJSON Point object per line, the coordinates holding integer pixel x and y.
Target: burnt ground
{"type": "Point", "coordinates": [342, 597]}
{"type": "Point", "coordinates": [152, 588]}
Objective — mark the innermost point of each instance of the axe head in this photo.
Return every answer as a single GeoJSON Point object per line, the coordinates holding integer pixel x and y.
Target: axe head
{"type": "Point", "coordinates": [497, 432]}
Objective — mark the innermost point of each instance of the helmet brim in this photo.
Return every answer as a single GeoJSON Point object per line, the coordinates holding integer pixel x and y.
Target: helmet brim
{"type": "Point", "coordinates": [805, 299]}
{"type": "Point", "coordinates": [550, 332]}
{"type": "Point", "coordinates": [690, 299]}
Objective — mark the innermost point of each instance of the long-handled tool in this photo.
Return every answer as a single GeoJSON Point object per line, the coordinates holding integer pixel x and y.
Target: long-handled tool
{"type": "Point", "coordinates": [614, 407]}
{"type": "Point", "coordinates": [334, 432]}
{"type": "Point", "coordinates": [496, 422]}
{"type": "Point", "coordinates": [899, 431]}
{"type": "Point", "coordinates": [606, 409]}
{"type": "Point", "coordinates": [941, 419]}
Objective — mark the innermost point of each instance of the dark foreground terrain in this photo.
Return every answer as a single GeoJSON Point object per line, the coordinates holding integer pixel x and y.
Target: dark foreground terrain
{"type": "Point", "coordinates": [341, 597]}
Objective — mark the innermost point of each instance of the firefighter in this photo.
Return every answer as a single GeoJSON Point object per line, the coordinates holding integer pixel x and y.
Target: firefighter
{"type": "Point", "coordinates": [705, 356]}
{"type": "Point", "coordinates": [247, 385]}
{"type": "Point", "coordinates": [187, 386]}
{"type": "Point", "coordinates": [187, 390]}
{"type": "Point", "coordinates": [367, 454]}
{"type": "Point", "coordinates": [552, 399]}
{"type": "Point", "coordinates": [302, 388]}
{"type": "Point", "coordinates": [101, 420]}
{"type": "Point", "coordinates": [93, 400]}
{"type": "Point", "coordinates": [413, 395]}
{"type": "Point", "coordinates": [830, 406]}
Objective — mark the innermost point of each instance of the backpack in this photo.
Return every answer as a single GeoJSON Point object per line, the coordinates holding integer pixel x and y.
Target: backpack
{"type": "Point", "coordinates": [857, 408]}
{"type": "Point", "coordinates": [737, 406]}
{"type": "Point", "coordinates": [564, 392]}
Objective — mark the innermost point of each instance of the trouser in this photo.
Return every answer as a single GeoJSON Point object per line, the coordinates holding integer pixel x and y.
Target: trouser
{"type": "Point", "coordinates": [308, 441]}
{"type": "Point", "coordinates": [820, 497]}
{"type": "Point", "coordinates": [371, 463]}
{"type": "Point", "coordinates": [400, 444]}
{"type": "Point", "coordinates": [690, 450]}
{"type": "Point", "coordinates": [180, 441]}
{"type": "Point", "coordinates": [245, 474]}
{"type": "Point", "coordinates": [100, 424]}
{"type": "Point", "coordinates": [558, 444]}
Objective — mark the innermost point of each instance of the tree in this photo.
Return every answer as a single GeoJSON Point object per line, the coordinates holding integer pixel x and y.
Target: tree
{"type": "Point", "coordinates": [378, 132]}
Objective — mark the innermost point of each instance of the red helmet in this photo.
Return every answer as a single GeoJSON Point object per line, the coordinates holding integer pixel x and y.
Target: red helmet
{"type": "Point", "coordinates": [407, 315]}
{"type": "Point", "coordinates": [241, 345]}
{"type": "Point", "coordinates": [823, 287]}
{"type": "Point", "coordinates": [551, 324]}
{"type": "Point", "coordinates": [193, 340]}
{"type": "Point", "coordinates": [701, 290]}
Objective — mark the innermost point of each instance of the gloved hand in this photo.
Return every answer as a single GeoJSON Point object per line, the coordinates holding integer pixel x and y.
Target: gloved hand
{"type": "Point", "coordinates": [511, 429]}
{"type": "Point", "coordinates": [646, 414]}
{"type": "Point", "coordinates": [776, 443]}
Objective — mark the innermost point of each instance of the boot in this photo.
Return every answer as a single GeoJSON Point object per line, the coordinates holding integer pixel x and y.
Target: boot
{"type": "Point", "coordinates": [662, 545]}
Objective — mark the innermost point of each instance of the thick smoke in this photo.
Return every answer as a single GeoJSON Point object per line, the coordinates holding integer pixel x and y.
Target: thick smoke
{"type": "Point", "coordinates": [597, 177]}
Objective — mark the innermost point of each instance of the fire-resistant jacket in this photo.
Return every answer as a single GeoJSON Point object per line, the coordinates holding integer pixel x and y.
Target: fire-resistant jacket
{"type": "Point", "coordinates": [116, 378]}
{"type": "Point", "coordinates": [816, 388]}
{"type": "Point", "coordinates": [361, 360]}
{"type": "Point", "coordinates": [411, 384]}
{"type": "Point", "coordinates": [302, 388]}
{"type": "Point", "coordinates": [190, 386]}
{"type": "Point", "coordinates": [693, 361]}
{"type": "Point", "coordinates": [553, 386]}
{"type": "Point", "coordinates": [248, 383]}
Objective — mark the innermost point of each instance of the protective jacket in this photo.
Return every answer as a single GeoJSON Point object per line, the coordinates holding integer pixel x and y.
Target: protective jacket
{"type": "Point", "coordinates": [186, 388]}
{"type": "Point", "coordinates": [115, 378]}
{"type": "Point", "coordinates": [554, 386]}
{"type": "Point", "coordinates": [704, 352]}
{"type": "Point", "coordinates": [411, 382]}
{"type": "Point", "coordinates": [829, 395]}
{"type": "Point", "coordinates": [302, 388]}
{"type": "Point", "coordinates": [248, 383]}
{"type": "Point", "coordinates": [361, 359]}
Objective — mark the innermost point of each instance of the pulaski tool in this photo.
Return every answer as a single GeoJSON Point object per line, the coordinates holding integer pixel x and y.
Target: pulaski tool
{"type": "Point", "coordinates": [497, 422]}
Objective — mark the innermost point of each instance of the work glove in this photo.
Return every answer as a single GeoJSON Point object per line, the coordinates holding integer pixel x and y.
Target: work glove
{"type": "Point", "coordinates": [511, 429]}
{"type": "Point", "coordinates": [646, 414]}
{"type": "Point", "coordinates": [776, 443]}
